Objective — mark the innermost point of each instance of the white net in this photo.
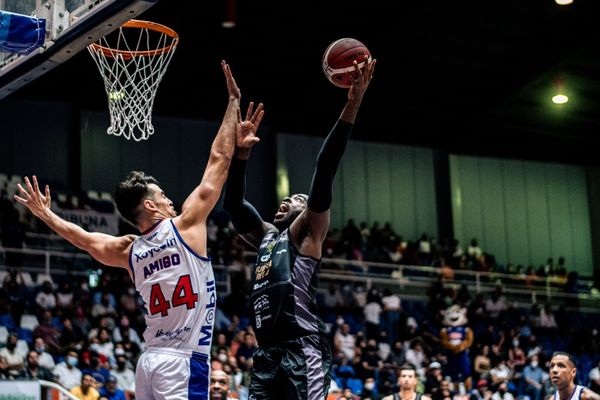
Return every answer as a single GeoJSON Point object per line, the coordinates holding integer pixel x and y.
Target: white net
{"type": "Point", "coordinates": [132, 61]}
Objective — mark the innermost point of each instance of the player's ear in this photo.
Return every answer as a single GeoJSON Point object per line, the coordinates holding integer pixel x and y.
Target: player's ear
{"type": "Point", "coordinates": [149, 205]}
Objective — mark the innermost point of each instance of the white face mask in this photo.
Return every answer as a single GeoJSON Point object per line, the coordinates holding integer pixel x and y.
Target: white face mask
{"type": "Point", "coordinates": [222, 357]}
{"type": "Point", "coordinates": [534, 364]}
{"type": "Point", "coordinates": [369, 386]}
{"type": "Point", "coordinates": [340, 321]}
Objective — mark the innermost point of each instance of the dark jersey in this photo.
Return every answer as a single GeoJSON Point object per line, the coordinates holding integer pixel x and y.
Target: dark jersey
{"type": "Point", "coordinates": [283, 292]}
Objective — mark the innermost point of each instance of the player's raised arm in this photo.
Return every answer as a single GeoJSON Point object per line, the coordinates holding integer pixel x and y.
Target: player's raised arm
{"type": "Point", "coordinates": [202, 200]}
{"type": "Point", "coordinates": [310, 229]}
{"type": "Point", "coordinates": [246, 220]}
{"type": "Point", "coordinates": [107, 249]}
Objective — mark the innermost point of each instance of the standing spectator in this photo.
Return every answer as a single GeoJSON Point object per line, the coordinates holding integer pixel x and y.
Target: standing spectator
{"type": "Point", "coordinates": [67, 373]}
{"type": "Point", "coordinates": [372, 312]}
{"type": "Point", "coordinates": [391, 312]}
{"type": "Point", "coordinates": [86, 390]}
{"type": "Point", "coordinates": [496, 304]}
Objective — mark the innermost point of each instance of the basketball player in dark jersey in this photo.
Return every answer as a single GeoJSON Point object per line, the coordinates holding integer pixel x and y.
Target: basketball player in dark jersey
{"type": "Point", "coordinates": [293, 359]}
{"type": "Point", "coordinates": [407, 381]}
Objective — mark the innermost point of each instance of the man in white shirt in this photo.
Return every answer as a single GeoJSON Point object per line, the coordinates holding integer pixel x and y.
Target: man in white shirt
{"type": "Point", "coordinates": [124, 374]}
{"type": "Point", "coordinates": [45, 359]}
{"type": "Point", "coordinates": [67, 373]}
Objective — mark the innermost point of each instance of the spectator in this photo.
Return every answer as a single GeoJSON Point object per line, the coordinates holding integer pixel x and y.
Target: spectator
{"type": "Point", "coordinates": [48, 332]}
{"type": "Point", "coordinates": [345, 342]}
{"type": "Point", "coordinates": [372, 312]}
{"type": "Point", "coordinates": [534, 377]}
{"type": "Point", "coordinates": [220, 382]}
{"type": "Point", "coordinates": [86, 390]}
{"type": "Point", "coordinates": [67, 373]}
{"type": "Point", "coordinates": [502, 392]}
{"type": "Point", "coordinates": [111, 391]}
{"type": "Point", "coordinates": [45, 299]}
{"type": "Point", "coordinates": [33, 370]}
{"type": "Point", "coordinates": [391, 313]}
{"type": "Point", "coordinates": [481, 392]}
{"type": "Point", "coordinates": [124, 373]}
{"type": "Point", "coordinates": [44, 359]}
{"type": "Point", "coordinates": [594, 378]}
{"type": "Point", "coordinates": [14, 360]}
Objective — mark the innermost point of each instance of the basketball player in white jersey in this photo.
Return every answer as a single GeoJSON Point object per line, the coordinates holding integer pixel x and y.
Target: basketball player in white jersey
{"type": "Point", "coordinates": [562, 374]}
{"type": "Point", "coordinates": [168, 264]}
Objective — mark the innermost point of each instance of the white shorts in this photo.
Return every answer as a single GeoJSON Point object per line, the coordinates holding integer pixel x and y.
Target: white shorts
{"type": "Point", "coordinates": [161, 376]}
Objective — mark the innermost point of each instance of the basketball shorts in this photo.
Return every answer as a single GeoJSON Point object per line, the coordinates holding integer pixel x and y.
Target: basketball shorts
{"type": "Point", "coordinates": [161, 376]}
{"type": "Point", "coordinates": [298, 369]}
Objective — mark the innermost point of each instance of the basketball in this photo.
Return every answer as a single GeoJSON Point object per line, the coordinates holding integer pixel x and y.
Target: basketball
{"type": "Point", "coordinates": [338, 59]}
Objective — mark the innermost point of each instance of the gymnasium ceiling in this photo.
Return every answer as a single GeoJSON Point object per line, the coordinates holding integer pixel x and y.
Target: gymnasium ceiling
{"type": "Point", "coordinates": [468, 77]}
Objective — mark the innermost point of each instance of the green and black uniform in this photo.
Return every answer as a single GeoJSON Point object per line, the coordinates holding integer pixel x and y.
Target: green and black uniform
{"type": "Point", "coordinates": [294, 358]}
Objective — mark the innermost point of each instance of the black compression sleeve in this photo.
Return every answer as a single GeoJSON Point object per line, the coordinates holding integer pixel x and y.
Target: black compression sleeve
{"type": "Point", "coordinates": [328, 160]}
{"type": "Point", "coordinates": [243, 215]}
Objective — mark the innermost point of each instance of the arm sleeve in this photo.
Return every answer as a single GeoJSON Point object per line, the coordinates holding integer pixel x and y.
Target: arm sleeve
{"type": "Point", "coordinates": [328, 160]}
{"type": "Point", "coordinates": [243, 215]}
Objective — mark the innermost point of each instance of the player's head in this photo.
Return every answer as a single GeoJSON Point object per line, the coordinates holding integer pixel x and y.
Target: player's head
{"type": "Point", "coordinates": [219, 385]}
{"type": "Point", "coordinates": [139, 194]}
{"type": "Point", "coordinates": [562, 369]}
{"type": "Point", "coordinates": [289, 209]}
{"type": "Point", "coordinates": [407, 379]}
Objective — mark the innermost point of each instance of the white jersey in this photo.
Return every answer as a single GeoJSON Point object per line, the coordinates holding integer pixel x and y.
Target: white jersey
{"type": "Point", "coordinates": [178, 289]}
{"type": "Point", "coordinates": [575, 396]}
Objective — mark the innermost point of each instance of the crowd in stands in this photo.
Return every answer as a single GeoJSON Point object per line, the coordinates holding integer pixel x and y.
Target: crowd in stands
{"type": "Point", "coordinates": [88, 338]}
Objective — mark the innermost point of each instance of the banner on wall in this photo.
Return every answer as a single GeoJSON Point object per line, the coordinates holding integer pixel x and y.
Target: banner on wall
{"type": "Point", "coordinates": [20, 390]}
{"type": "Point", "coordinates": [91, 221]}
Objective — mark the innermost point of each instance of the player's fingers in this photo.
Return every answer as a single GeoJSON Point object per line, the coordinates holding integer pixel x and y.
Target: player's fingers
{"type": "Point", "coordinates": [259, 117]}
{"type": "Point", "coordinates": [249, 111]}
{"type": "Point", "coordinates": [36, 185]}
{"type": "Point", "coordinates": [48, 197]}
{"type": "Point", "coordinates": [24, 192]}
{"type": "Point", "coordinates": [28, 185]}
{"type": "Point", "coordinates": [257, 112]}
{"type": "Point", "coordinates": [20, 199]}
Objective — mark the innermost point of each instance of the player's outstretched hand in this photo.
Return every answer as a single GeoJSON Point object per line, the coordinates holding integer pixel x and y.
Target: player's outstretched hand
{"type": "Point", "coordinates": [246, 133]}
{"type": "Point", "coordinates": [363, 78]}
{"type": "Point", "coordinates": [32, 198]}
{"type": "Point", "coordinates": [232, 87]}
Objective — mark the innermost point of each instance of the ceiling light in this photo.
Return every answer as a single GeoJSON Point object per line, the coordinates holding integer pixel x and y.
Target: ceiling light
{"type": "Point", "coordinates": [563, 2]}
{"type": "Point", "coordinates": [560, 99]}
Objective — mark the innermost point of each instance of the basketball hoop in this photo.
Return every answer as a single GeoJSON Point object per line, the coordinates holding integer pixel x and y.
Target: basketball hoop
{"type": "Point", "coordinates": [132, 65]}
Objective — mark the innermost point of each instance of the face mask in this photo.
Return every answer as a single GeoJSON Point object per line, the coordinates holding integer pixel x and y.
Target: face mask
{"type": "Point", "coordinates": [72, 361]}
{"type": "Point", "coordinates": [340, 321]}
{"type": "Point", "coordinates": [515, 343]}
{"type": "Point", "coordinates": [534, 364]}
{"type": "Point", "coordinates": [369, 386]}
{"type": "Point", "coordinates": [222, 357]}
{"type": "Point", "coordinates": [40, 349]}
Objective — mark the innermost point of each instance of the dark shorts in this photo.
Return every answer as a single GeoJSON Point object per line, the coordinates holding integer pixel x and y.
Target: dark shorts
{"type": "Point", "coordinates": [298, 369]}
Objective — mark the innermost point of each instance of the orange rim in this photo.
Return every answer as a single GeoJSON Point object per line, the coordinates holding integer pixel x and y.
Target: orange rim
{"type": "Point", "coordinates": [139, 24]}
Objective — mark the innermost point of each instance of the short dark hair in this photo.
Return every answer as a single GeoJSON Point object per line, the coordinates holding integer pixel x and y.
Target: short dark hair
{"type": "Point", "coordinates": [564, 353]}
{"type": "Point", "coordinates": [407, 366]}
{"type": "Point", "coordinates": [130, 192]}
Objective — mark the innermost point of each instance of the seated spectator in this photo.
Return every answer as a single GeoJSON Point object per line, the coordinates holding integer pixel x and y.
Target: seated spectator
{"type": "Point", "coordinates": [534, 377]}
{"type": "Point", "coordinates": [33, 370]}
{"type": "Point", "coordinates": [13, 359]}
{"type": "Point", "coordinates": [124, 373]}
{"type": "Point", "coordinates": [45, 299]}
{"type": "Point", "coordinates": [67, 373]}
{"type": "Point", "coordinates": [48, 332]}
{"type": "Point", "coordinates": [44, 358]}
{"type": "Point", "coordinates": [481, 391]}
{"type": "Point", "coordinates": [86, 390]}
{"type": "Point", "coordinates": [502, 393]}
{"type": "Point", "coordinates": [111, 391]}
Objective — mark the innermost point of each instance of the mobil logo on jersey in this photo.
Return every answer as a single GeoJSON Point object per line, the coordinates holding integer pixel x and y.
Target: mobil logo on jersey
{"type": "Point", "coordinates": [209, 314]}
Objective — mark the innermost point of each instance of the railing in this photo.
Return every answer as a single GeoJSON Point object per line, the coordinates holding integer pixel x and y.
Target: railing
{"type": "Point", "coordinates": [411, 280]}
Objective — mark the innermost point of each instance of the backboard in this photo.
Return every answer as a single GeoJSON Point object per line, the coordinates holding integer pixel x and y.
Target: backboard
{"type": "Point", "coordinates": [71, 25]}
